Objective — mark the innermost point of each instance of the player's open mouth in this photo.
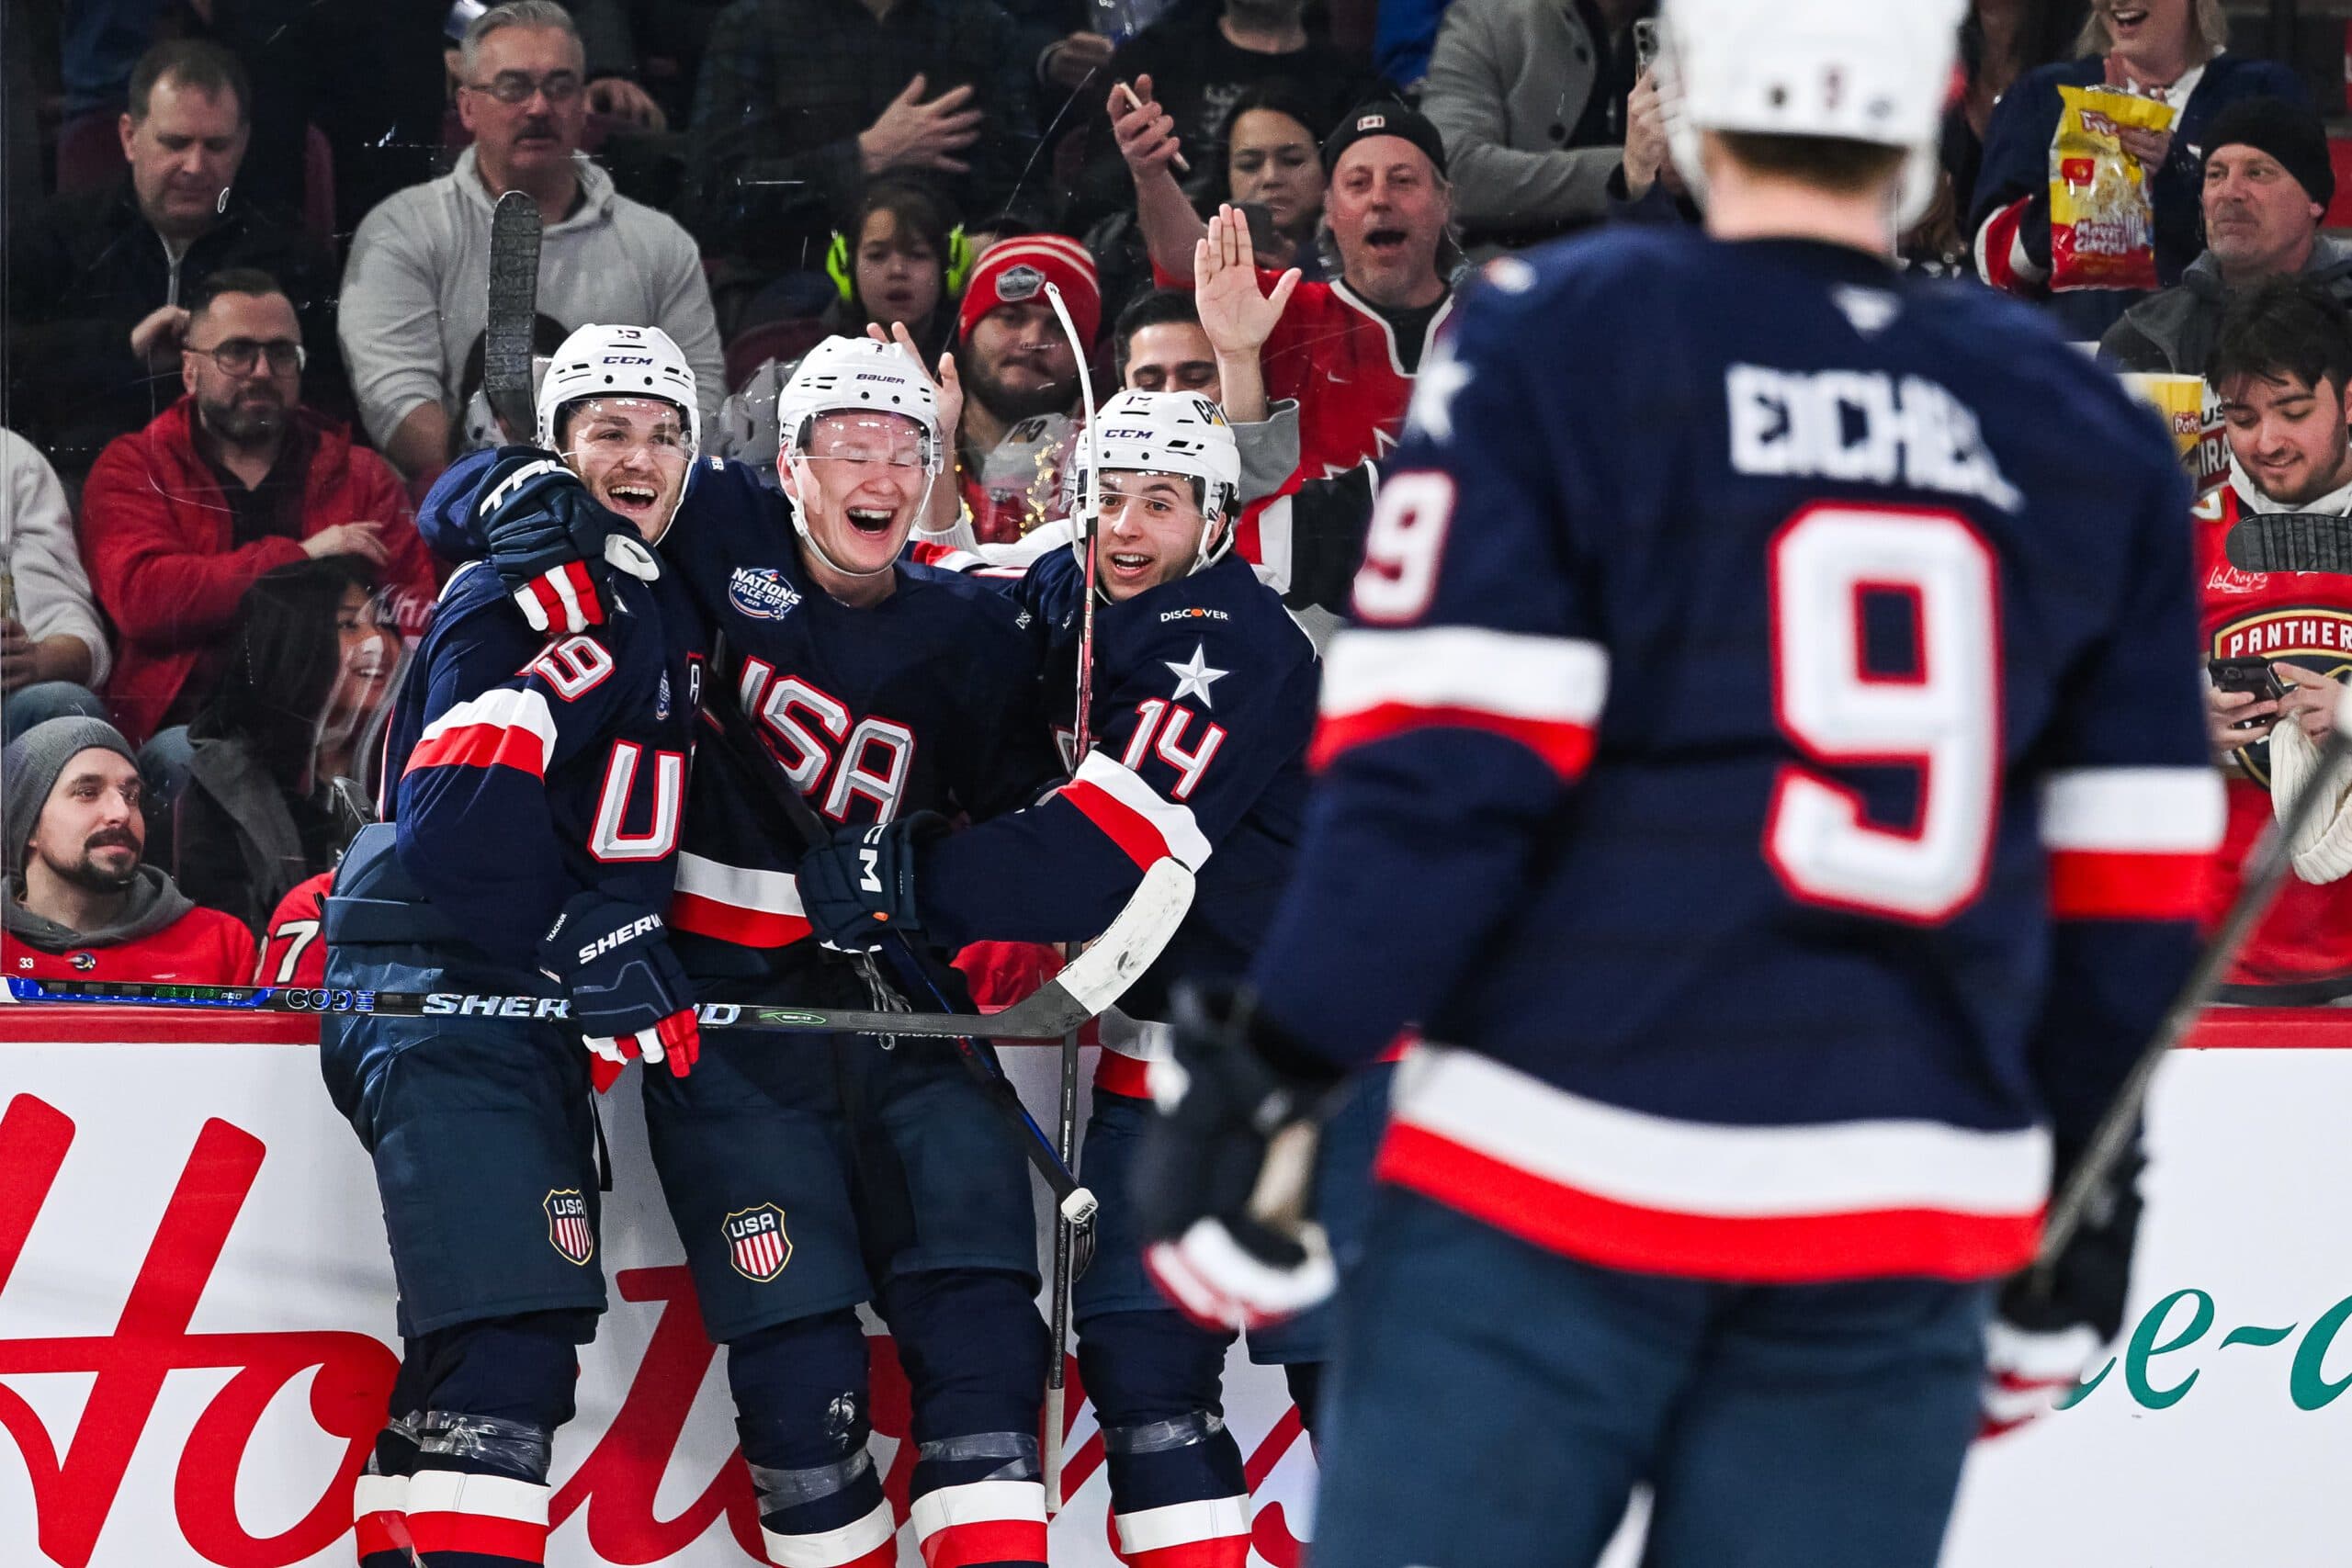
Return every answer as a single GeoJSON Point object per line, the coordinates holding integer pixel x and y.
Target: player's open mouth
{"type": "Point", "coordinates": [632, 500]}
{"type": "Point", "coordinates": [1126, 567]}
{"type": "Point", "coordinates": [871, 520]}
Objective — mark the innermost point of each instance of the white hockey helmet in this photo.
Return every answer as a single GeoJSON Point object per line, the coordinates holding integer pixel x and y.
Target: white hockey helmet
{"type": "Point", "coordinates": [1873, 71]}
{"type": "Point", "coordinates": [857, 375]}
{"type": "Point", "coordinates": [619, 362]}
{"type": "Point", "coordinates": [1170, 432]}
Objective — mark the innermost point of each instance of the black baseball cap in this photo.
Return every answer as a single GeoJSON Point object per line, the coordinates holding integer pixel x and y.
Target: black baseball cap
{"type": "Point", "coordinates": [1385, 117]}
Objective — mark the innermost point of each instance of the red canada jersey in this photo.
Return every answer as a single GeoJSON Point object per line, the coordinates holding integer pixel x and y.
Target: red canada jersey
{"type": "Point", "coordinates": [203, 947]}
{"type": "Point", "coordinates": [2293, 617]}
{"type": "Point", "coordinates": [292, 951]}
{"type": "Point", "coordinates": [1340, 359]}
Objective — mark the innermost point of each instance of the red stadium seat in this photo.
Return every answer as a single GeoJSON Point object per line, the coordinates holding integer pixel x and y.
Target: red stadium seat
{"type": "Point", "coordinates": [89, 152]}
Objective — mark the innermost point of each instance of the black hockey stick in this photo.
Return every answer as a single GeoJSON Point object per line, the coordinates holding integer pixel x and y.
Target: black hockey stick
{"type": "Point", "coordinates": [513, 314]}
{"type": "Point", "coordinates": [2291, 541]}
{"type": "Point", "coordinates": [2112, 1135]}
{"type": "Point", "coordinates": [1054, 1009]}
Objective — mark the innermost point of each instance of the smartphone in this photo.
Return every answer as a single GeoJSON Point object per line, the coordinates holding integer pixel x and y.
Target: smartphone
{"type": "Point", "coordinates": [1645, 45]}
{"type": "Point", "coordinates": [1261, 219]}
{"type": "Point", "coordinates": [2252, 676]}
{"type": "Point", "coordinates": [1127, 95]}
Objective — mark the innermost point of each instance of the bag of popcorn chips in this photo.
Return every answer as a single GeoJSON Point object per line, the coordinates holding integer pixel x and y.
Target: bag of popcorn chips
{"type": "Point", "coordinates": [2102, 225]}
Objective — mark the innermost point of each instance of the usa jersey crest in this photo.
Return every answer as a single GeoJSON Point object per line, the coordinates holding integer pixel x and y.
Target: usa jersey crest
{"type": "Point", "coordinates": [757, 1243]}
{"type": "Point", "coordinates": [568, 1231]}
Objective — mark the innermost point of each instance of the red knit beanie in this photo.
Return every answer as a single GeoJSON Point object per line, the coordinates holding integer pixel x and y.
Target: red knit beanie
{"type": "Point", "coordinates": [1015, 271]}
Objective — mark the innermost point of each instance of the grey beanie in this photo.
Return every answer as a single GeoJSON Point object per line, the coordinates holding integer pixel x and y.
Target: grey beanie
{"type": "Point", "coordinates": [28, 770]}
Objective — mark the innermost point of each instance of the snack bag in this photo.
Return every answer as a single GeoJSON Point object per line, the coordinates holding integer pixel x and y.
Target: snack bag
{"type": "Point", "coordinates": [2102, 225]}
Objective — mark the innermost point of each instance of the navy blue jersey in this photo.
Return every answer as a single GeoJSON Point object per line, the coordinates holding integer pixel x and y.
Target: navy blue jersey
{"type": "Point", "coordinates": [1764, 757]}
{"type": "Point", "coordinates": [1203, 702]}
{"type": "Point", "coordinates": [523, 768]}
{"type": "Point", "coordinates": [923, 701]}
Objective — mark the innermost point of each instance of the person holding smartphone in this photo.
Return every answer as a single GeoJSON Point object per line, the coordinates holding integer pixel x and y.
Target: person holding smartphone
{"type": "Point", "coordinates": [2278, 644]}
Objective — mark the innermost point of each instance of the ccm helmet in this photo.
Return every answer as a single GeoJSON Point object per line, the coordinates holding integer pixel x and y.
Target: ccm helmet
{"type": "Point", "coordinates": [1170, 432]}
{"type": "Point", "coordinates": [1873, 71]}
{"type": "Point", "coordinates": [619, 362]}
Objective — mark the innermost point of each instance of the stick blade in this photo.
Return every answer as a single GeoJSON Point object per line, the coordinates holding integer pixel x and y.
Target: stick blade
{"type": "Point", "coordinates": [1101, 975]}
{"type": "Point", "coordinates": [513, 313]}
{"type": "Point", "coordinates": [2291, 541]}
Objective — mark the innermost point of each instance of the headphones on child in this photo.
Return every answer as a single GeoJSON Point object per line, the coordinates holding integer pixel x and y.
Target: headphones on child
{"type": "Point", "coordinates": [842, 269]}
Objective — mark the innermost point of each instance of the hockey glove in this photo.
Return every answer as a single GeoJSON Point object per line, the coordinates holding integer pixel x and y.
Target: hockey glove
{"type": "Point", "coordinates": [629, 997]}
{"type": "Point", "coordinates": [860, 885]}
{"type": "Point", "coordinates": [2048, 1328]}
{"type": "Point", "coordinates": [1226, 1170]}
{"type": "Point", "coordinates": [543, 529]}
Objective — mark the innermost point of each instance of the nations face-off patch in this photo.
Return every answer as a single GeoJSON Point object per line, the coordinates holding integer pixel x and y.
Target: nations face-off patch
{"type": "Point", "coordinates": [756, 1242]}
{"type": "Point", "coordinates": [568, 1231]}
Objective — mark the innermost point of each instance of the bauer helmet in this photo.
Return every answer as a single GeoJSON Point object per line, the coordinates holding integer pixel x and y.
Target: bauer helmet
{"type": "Point", "coordinates": [1169, 433]}
{"type": "Point", "coordinates": [1871, 70]}
{"type": "Point", "coordinates": [858, 375]}
{"type": "Point", "coordinates": [619, 362]}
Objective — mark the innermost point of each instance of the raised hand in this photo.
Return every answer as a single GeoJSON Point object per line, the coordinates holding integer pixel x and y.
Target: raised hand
{"type": "Point", "coordinates": [912, 133]}
{"type": "Point", "coordinates": [1235, 314]}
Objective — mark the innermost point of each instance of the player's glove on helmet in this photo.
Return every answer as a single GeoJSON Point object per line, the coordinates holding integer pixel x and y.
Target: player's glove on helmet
{"type": "Point", "coordinates": [859, 886]}
{"type": "Point", "coordinates": [543, 529]}
{"type": "Point", "coordinates": [1227, 1168]}
{"type": "Point", "coordinates": [2048, 1330]}
{"type": "Point", "coordinates": [629, 996]}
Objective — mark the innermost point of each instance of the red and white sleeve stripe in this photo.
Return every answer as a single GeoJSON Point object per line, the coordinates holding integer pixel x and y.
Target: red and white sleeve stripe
{"type": "Point", "coordinates": [1544, 692]}
{"type": "Point", "coordinates": [2131, 843]}
{"type": "Point", "coordinates": [506, 726]}
{"type": "Point", "coordinates": [737, 904]}
{"type": "Point", "coordinates": [2001, 260]}
{"type": "Point", "coordinates": [1144, 823]}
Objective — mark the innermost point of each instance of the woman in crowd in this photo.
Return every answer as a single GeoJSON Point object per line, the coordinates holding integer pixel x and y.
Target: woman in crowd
{"type": "Point", "coordinates": [312, 661]}
{"type": "Point", "coordinates": [1273, 159]}
{"type": "Point", "coordinates": [2169, 49]}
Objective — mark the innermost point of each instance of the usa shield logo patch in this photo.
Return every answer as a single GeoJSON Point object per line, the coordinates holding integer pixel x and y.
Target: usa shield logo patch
{"type": "Point", "coordinates": [568, 1231]}
{"type": "Point", "coordinates": [756, 1242]}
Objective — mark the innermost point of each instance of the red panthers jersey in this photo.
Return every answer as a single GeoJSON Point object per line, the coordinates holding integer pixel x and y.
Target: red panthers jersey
{"type": "Point", "coordinates": [2293, 617]}
{"type": "Point", "coordinates": [203, 947]}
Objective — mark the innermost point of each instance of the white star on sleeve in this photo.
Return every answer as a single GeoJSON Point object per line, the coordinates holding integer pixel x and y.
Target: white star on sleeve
{"type": "Point", "coordinates": [1441, 379]}
{"type": "Point", "coordinates": [1194, 678]}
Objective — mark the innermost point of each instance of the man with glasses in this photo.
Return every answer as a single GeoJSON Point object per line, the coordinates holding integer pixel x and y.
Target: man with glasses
{"type": "Point", "coordinates": [414, 293]}
{"type": "Point", "coordinates": [236, 478]}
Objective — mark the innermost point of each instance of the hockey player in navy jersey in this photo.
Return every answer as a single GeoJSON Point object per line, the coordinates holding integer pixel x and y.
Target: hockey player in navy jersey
{"type": "Point", "coordinates": [535, 786]}
{"type": "Point", "coordinates": [1203, 704]}
{"type": "Point", "coordinates": [809, 1173]}
{"type": "Point", "coordinates": [1764, 768]}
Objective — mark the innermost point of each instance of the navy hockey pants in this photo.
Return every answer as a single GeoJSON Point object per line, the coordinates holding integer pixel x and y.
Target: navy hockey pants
{"type": "Point", "coordinates": [1493, 1405]}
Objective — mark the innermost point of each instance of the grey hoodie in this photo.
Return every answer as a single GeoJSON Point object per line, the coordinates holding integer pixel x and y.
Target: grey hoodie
{"type": "Point", "coordinates": [2172, 332]}
{"type": "Point", "coordinates": [155, 902]}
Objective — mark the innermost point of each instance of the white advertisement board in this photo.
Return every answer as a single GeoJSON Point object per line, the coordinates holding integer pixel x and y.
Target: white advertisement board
{"type": "Point", "coordinates": [195, 1340]}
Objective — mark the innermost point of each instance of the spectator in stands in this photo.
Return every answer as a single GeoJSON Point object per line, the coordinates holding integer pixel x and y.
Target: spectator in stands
{"type": "Point", "coordinates": [2281, 366]}
{"type": "Point", "coordinates": [802, 102]}
{"type": "Point", "coordinates": [79, 906]}
{"type": "Point", "coordinates": [902, 259]}
{"type": "Point", "coordinates": [98, 288]}
{"type": "Point", "coordinates": [238, 477]}
{"type": "Point", "coordinates": [1202, 61]}
{"type": "Point", "coordinates": [2001, 41]}
{"type": "Point", "coordinates": [413, 295]}
{"type": "Point", "coordinates": [1529, 96]}
{"type": "Point", "coordinates": [1273, 159]}
{"type": "Point", "coordinates": [2267, 186]}
{"type": "Point", "coordinates": [2170, 50]}
{"type": "Point", "coordinates": [52, 646]}
{"type": "Point", "coordinates": [1347, 350]}
{"type": "Point", "coordinates": [1019, 380]}
{"type": "Point", "coordinates": [311, 664]}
